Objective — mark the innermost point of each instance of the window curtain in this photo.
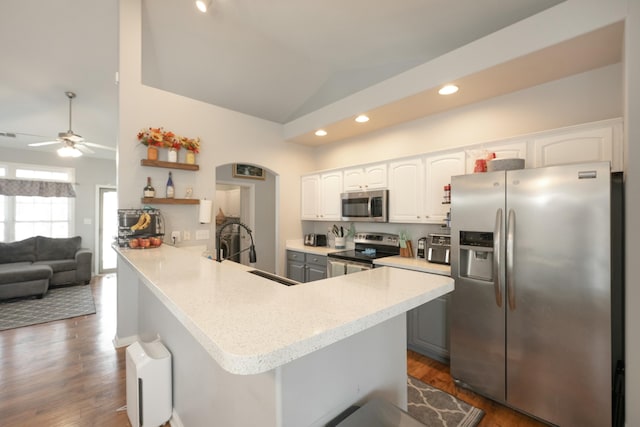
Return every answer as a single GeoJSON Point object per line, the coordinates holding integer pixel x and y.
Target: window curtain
{"type": "Point", "coordinates": [25, 187]}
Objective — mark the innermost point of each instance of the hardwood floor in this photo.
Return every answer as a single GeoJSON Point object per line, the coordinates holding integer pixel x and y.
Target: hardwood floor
{"type": "Point", "coordinates": [67, 373]}
{"type": "Point", "coordinates": [437, 375]}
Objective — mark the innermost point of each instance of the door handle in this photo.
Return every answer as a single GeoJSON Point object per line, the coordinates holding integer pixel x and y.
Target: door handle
{"type": "Point", "coordinates": [497, 239]}
{"type": "Point", "coordinates": [511, 235]}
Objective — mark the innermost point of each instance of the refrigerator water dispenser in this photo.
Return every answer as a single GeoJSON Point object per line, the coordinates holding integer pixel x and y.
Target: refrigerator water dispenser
{"type": "Point", "coordinates": [476, 255]}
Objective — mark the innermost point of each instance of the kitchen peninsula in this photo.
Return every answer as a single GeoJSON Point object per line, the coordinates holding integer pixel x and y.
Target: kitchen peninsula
{"type": "Point", "coordinates": [250, 351]}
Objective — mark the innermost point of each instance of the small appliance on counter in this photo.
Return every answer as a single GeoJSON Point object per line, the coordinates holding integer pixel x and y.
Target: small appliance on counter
{"type": "Point", "coordinates": [422, 247]}
{"type": "Point", "coordinates": [438, 248]}
{"type": "Point", "coordinates": [134, 223]}
{"type": "Point", "coordinates": [315, 239]}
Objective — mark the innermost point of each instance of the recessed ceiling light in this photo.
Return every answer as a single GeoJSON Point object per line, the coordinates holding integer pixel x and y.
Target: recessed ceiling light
{"type": "Point", "coordinates": [448, 89]}
{"type": "Point", "coordinates": [362, 118]}
{"type": "Point", "coordinates": [203, 5]}
{"type": "Point", "coordinates": [321, 132]}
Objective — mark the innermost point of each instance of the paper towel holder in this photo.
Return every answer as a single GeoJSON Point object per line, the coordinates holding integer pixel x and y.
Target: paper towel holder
{"type": "Point", "coordinates": [204, 214]}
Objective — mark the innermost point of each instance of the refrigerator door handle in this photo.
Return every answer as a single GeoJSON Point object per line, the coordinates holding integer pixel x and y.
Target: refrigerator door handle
{"type": "Point", "coordinates": [497, 278]}
{"type": "Point", "coordinates": [511, 235]}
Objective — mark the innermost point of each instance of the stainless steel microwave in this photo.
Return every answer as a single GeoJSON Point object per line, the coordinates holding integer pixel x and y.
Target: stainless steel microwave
{"type": "Point", "coordinates": [365, 206]}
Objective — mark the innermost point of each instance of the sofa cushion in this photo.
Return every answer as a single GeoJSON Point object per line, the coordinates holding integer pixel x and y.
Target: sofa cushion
{"type": "Point", "coordinates": [15, 273]}
{"type": "Point", "coordinates": [58, 265]}
{"type": "Point", "coordinates": [20, 251]}
{"type": "Point", "coordinates": [57, 248]}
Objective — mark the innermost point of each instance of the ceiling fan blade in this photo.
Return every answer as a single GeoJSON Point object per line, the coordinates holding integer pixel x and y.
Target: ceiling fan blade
{"type": "Point", "coordinates": [84, 148]}
{"type": "Point", "coordinates": [103, 147]}
{"type": "Point", "coordinates": [40, 144]}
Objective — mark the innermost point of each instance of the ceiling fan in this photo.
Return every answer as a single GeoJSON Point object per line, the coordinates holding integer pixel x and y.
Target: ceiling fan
{"type": "Point", "coordinates": [73, 144]}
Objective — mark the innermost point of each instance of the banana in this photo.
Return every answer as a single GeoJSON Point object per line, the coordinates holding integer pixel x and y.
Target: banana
{"type": "Point", "coordinates": [147, 221]}
{"type": "Point", "coordinates": [138, 224]}
{"type": "Point", "coordinates": [143, 222]}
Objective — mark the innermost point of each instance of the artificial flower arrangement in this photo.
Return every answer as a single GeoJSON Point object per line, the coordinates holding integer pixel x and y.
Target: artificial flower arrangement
{"type": "Point", "coordinates": [158, 137]}
{"type": "Point", "coordinates": [190, 144]}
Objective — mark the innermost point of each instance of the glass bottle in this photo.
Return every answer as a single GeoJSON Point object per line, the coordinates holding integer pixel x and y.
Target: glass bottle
{"type": "Point", "coordinates": [149, 191]}
{"type": "Point", "coordinates": [170, 187]}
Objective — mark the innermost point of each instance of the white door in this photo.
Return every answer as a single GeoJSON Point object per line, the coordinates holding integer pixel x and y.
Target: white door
{"type": "Point", "coordinates": [107, 229]}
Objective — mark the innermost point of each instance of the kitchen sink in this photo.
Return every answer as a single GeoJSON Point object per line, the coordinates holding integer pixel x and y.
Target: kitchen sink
{"type": "Point", "coordinates": [274, 277]}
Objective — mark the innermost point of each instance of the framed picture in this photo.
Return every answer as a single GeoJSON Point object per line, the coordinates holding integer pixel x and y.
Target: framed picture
{"type": "Point", "coordinates": [247, 171]}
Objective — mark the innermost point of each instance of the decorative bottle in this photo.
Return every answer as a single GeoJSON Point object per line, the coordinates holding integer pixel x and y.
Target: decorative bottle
{"type": "Point", "coordinates": [170, 187]}
{"type": "Point", "coordinates": [149, 191]}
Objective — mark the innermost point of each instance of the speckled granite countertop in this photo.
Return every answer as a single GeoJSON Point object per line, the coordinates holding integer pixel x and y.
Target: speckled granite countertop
{"type": "Point", "coordinates": [250, 324]}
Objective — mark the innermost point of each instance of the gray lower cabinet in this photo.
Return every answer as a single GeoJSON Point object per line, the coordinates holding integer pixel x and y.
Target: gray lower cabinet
{"type": "Point", "coordinates": [428, 329]}
{"type": "Point", "coordinates": [304, 267]}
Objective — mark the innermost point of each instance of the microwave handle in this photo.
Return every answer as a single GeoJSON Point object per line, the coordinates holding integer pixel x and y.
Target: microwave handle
{"type": "Point", "coordinates": [370, 206]}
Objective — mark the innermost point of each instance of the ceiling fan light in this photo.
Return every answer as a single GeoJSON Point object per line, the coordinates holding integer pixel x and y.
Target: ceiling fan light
{"type": "Point", "coordinates": [203, 5]}
{"type": "Point", "coordinates": [67, 151]}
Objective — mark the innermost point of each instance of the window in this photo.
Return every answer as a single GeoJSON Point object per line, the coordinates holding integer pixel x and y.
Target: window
{"type": "Point", "coordinates": [25, 216]}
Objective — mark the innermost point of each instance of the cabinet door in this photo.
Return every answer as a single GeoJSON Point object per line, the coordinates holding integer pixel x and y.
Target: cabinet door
{"type": "Point", "coordinates": [428, 329]}
{"type": "Point", "coordinates": [330, 189]}
{"type": "Point", "coordinates": [315, 272]}
{"type": "Point", "coordinates": [438, 173]}
{"type": "Point", "coordinates": [575, 146]}
{"type": "Point", "coordinates": [509, 150]}
{"type": "Point", "coordinates": [295, 266]}
{"type": "Point", "coordinates": [406, 191]}
{"type": "Point", "coordinates": [353, 179]}
{"type": "Point", "coordinates": [375, 177]}
{"type": "Point", "coordinates": [309, 197]}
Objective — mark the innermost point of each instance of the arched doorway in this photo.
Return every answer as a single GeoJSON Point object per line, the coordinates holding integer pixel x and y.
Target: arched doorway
{"type": "Point", "coordinates": [252, 199]}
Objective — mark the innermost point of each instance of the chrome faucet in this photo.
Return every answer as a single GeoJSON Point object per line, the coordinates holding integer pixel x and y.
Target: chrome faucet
{"type": "Point", "coordinates": [251, 249]}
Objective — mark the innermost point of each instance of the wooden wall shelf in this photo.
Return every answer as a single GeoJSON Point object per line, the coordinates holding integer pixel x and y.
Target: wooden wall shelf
{"type": "Point", "coordinates": [169, 165]}
{"type": "Point", "coordinates": [171, 201]}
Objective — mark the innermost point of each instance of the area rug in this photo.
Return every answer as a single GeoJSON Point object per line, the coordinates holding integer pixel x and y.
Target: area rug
{"type": "Point", "coordinates": [57, 304]}
{"type": "Point", "coordinates": [434, 407]}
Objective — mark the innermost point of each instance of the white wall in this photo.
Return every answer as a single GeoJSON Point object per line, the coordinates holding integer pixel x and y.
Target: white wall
{"type": "Point", "coordinates": [89, 172]}
{"type": "Point", "coordinates": [227, 137]}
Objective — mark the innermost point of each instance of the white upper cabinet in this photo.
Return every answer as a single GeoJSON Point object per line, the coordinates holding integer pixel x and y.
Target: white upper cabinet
{"type": "Point", "coordinates": [366, 178]}
{"type": "Point", "coordinates": [580, 144]}
{"type": "Point", "coordinates": [438, 173]}
{"type": "Point", "coordinates": [406, 189]}
{"type": "Point", "coordinates": [310, 197]}
{"type": "Point", "coordinates": [504, 150]}
{"type": "Point", "coordinates": [320, 198]}
{"type": "Point", "coordinates": [330, 189]}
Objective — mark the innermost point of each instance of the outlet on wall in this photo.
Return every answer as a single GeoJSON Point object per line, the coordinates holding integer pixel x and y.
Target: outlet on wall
{"type": "Point", "coordinates": [202, 234]}
{"type": "Point", "coordinates": [186, 235]}
{"type": "Point", "coordinates": [175, 237]}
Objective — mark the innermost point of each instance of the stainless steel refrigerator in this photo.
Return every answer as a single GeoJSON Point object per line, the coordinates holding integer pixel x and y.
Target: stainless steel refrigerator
{"type": "Point", "coordinates": [536, 311]}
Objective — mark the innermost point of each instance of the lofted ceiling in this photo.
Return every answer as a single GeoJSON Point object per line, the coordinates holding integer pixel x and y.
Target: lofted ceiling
{"type": "Point", "coordinates": [278, 60]}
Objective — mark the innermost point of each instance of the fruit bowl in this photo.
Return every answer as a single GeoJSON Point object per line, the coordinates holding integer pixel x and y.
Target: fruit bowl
{"type": "Point", "coordinates": [145, 243]}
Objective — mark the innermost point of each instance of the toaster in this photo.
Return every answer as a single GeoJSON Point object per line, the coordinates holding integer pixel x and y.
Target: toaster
{"type": "Point", "coordinates": [315, 239]}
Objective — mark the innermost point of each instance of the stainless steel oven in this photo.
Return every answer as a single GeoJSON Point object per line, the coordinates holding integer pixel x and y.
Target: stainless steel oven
{"type": "Point", "coordinates": [368, 247]}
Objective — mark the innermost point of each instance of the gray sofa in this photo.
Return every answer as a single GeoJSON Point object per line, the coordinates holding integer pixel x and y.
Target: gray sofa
{"type": "Point", "coordinates": [28, 267]}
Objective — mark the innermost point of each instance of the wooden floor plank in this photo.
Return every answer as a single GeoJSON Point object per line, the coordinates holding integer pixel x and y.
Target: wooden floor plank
{"type": "Point", "coordinates": [66, 373]}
